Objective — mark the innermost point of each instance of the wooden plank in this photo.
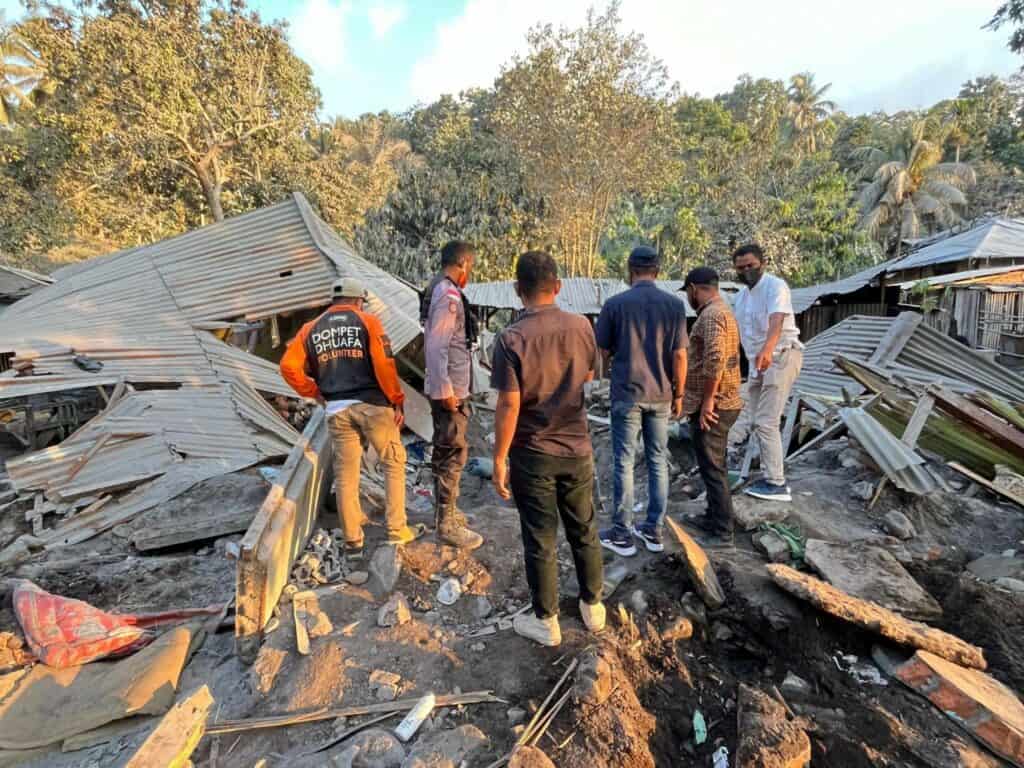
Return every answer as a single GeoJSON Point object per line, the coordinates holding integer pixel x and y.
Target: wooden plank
{"type": "Point", "coordinates": [1005, 434]}
{"type": "Point", "coordinates": [792, 414]}
{"type": "Point", "coordinates": [1006, 494]}
{"type": "Point", "coordinates": [278, 534]}
{"type": "Point", "coordinates": [895, 339]}
{"type": "Point", "coordinates": [176, 735]}
{"type": "Point", "coordinates": [177, 532]}
{"type": "Point", "coordinates": [917, 421]}
{"type": "Point", "coordinates": [875, 618]}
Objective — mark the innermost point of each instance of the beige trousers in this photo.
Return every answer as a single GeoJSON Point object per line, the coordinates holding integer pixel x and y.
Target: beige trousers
{"type": "Point", "coordinates": [768, 394]}
{"type": "Point", "coordinates": [350, 430]}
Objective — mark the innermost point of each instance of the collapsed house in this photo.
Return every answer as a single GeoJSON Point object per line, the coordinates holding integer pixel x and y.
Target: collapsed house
{"type": "Point", "coordinates": [158, 338]}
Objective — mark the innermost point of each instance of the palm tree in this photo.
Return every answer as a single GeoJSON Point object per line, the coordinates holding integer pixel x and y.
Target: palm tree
{"type": "Point", "coordinates": [23, 79]}
{"type": "Point", "coordinates": [907, 185]}
{"type": "Point", "coordinates": [808, 110]}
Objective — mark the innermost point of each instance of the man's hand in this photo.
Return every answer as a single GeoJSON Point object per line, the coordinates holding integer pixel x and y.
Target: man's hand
{"type": "Point", "coordinates": [708, 417]}
{"type": "Point", "coordinates": [500, 477]}
{"type": "Point", "coordinates": [399, 416]}
{"type": "Point", "coordinates": [450, 403]}
{"type": "Point", "coordinates": [677, 407]}
{"type": "Point", "coordinates": [763, 361]}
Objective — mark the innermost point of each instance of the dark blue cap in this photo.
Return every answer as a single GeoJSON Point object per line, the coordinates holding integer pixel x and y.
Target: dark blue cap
{"type": "Point", "coordinates": [644, 257]}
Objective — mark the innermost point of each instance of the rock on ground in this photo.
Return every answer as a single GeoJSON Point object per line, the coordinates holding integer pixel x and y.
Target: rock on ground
{"type": "Point", "coordinates": [871, 573]}
{"type": "Point", "coordinates": [593, 679]}
{"type": "Point", "coordinates": [863, 490]}
{"type": "Point", "coordinates": [985, 707]}
{"type": "Point", "coordinates": [698, 566]}
{"type": "Point", "coordinates": [1013, 585]}
{"type": "Point", "coordinates": [750, 513]}
{"type": "Point", "coordinates": [374, 748]}
{"type": "Point", "coordinates": [680, 628]}
{"type": "Point", "coordinates": [530, 757]}
{"type": "Point", "coordinates": [897, 524]}
{"type": "Point", "coordinates": [874, 617]}
{"type": "Point", "coordinates": [773, 546]}
{"type": "Point", "coordinates": [767, 738]}
{"type": "Point", "coordinates": [385, 567]}
{"type": "Point", "coordinates": [794, 685]}
{"type": "Point", "coordinates": [395, 612]}
{"type": "Point", "coordinates": [446, 749]}
{"type": "Point", "coordinates": [992, 567]}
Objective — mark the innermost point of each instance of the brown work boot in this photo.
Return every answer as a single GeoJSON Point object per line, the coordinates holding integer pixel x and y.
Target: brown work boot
{"type": "Point", "coordinates": [453, 531]}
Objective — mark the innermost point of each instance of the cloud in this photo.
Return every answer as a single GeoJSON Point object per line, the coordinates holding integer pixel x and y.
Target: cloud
{"type": "Point", "coordinates": [318, 33]}
{"type": "Point", "coordinates": [383, 18]}
{"type": "Point", "coordinates": [862, 49]}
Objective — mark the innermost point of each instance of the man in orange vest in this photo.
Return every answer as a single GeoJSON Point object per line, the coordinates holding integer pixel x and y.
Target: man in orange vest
{"type": "Point", "coordinates": [343, 359]}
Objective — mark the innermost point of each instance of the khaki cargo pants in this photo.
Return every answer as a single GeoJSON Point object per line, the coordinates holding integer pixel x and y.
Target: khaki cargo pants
{"type": "Point", "coordinates": [767, 396]}
{"type": "Point", "coordinates": [351, 429]}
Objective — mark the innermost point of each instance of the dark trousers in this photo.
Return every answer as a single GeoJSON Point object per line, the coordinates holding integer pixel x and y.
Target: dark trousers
{"type": "Point", "coordinates": [711, 447]}
{"type": "Point", "coordinates": [546, 488]}
{"type": "Point", "coordinates": [450, 451]}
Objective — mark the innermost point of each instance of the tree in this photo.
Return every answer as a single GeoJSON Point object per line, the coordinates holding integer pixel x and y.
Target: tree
{"type": "Point", "coordinates": [175, 91]}
{"type": "Point", "coordinates": [24, 81]}
{"type": "Point", "coordinates": [760, 105]}
{"type": "Point", "coordinates": [808, 111]}
{"type": "Point", "coordinates": [588, 114]}
{"type": "Point", "coordinates": [1010, 12]}
{"type": "Point", "coordinates": [909, 185]}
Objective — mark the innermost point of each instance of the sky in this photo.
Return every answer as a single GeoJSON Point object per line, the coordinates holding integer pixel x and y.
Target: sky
{"type": "Point", "coordinates": [373, 55]}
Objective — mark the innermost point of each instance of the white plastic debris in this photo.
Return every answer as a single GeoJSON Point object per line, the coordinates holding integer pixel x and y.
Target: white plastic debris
{"type": "Point", "coordinates": [408, 727]}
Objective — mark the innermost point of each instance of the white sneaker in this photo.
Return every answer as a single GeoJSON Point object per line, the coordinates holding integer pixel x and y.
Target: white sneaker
{"type": "Point", "coordinates": [543, 631]}
{"type": "Point", "coordinates": [593, 616]}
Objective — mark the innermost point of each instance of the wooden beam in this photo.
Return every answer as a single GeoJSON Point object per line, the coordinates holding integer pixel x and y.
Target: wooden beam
{"type": "Point", "coordinates": [1006, 494]}
{"type": "Point", "coordinates": [177, 735]}
{"type": "Point", "coordinates": [792, 414]}
{"type": "Point", "coordinates": [963, 409]}
{"type": "Point", "coordinates": [96, 448]}
{"type": "Point", "coordinates": [917, 421]}
{"type": "Point", "coordinates": [177, 532]}
{"type": "Point", "coordinates": [895, 339]}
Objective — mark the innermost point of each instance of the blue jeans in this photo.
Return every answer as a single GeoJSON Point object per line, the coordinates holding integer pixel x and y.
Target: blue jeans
{"type": "Point", "coordinates": [628, 421]}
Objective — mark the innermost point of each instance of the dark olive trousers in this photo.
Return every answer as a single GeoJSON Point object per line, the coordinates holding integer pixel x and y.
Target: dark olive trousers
{"type": "Point", "coordinates": [711, 447]}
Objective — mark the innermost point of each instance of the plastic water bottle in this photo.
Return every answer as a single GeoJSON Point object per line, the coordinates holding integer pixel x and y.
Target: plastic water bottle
{"type": "Point", "coordinates": [721, 757]}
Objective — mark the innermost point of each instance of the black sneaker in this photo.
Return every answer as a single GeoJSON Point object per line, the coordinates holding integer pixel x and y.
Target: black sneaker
{"type": "Point", "coordinates": [762, 489]}
{"type": "Point", "coordinates": [618, 541]}
{"type": "Point", "coordinates": [650, 536]}
{"type": "Point", "coordinates": [353, 552]}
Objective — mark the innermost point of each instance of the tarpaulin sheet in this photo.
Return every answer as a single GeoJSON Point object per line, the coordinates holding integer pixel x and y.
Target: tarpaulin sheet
{"type": "Point", "coordinates": [46, 705]}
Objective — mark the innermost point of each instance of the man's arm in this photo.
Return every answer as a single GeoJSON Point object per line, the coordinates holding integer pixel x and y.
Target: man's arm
{"type": "Point", "coordinates": [678, 381]}
{"type": "Point", "coordinates": [506, 416]}
{"type": "Point", "coordinates": [505, 379]}
{"type": "Point", "coordinates": [295, 366]}
{"type": "Point", "coordinates": [438, 339]}
{"type": "Point", "coordinates": [764, 357]}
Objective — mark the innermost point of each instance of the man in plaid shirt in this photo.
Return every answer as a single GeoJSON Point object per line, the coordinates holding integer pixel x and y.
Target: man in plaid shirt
{"type": "Point", "coordinates": [712, 395]}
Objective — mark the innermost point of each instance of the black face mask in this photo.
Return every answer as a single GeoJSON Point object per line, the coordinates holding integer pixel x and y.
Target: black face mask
{"type": "Point", "coordinates": [751, 276]}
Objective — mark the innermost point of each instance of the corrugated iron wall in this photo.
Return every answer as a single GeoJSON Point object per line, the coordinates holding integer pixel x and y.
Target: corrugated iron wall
{"type": "Point", "coordinates": [817, 319]}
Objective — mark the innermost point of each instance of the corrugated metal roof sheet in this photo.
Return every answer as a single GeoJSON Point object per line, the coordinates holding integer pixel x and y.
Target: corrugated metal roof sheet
{"type": "Point", "coordinates": [806, 297]}
{"type": "Point", "coordinates": [991, 240]}
{"type": "Point", "coordinates": [900, 463]}
{"type": "Point", "coordinates": [925, 356]}
{"type": "Point", "coordinates": [967, 276]}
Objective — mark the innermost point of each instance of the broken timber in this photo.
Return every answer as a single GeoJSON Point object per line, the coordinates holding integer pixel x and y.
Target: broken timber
{"type": "Point", "coordinates": [177, 735]}
{"type": "Point", "coordinates": [699, 567]}
{"type": "Point", "coordinates": [278, 534]}
{"type": "Point", "coordinates": [173, 533]}
{"type": "Point", "coordinates": [875, 618]}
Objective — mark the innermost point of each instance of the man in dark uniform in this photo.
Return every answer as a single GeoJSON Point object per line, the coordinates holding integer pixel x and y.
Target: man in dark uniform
{"type": "Point", "coordinates": [449, 330]}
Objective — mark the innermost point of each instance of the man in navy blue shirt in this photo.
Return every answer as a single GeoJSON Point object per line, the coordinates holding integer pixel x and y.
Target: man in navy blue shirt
{"type": "Point", "coordinates": [644, 331]}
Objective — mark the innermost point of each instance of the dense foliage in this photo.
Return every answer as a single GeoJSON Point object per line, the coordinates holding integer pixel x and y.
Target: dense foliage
{"type": "Point", "coordinates": [126, 121]}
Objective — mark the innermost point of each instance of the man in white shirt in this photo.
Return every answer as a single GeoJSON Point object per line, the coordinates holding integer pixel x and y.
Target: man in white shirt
{"type": "Point", "coordinates": [771, 341]}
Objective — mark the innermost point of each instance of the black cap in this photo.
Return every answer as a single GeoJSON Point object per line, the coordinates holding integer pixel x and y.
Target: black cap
{"type": "Point", "coordinates": [644, 257]}
{"type": "Point", "coordinates": [701, 276]}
